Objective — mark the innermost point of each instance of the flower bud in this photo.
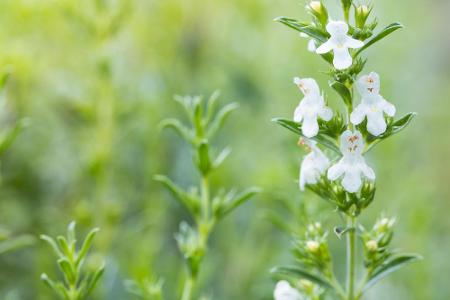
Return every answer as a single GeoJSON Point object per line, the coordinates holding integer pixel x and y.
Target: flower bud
{"type": "Point", "coordinates": [312, 246]}
{"type": "Point", "coordinates": [307, 286]}
{"type": "Point", "coordinates": [318, 10]}
{"type": "Point", "coordinates": [362, 12]}
{"type": "Point", "coordinates": [372, 245]}
{"type": "Point", "coordinates": [316, 6]}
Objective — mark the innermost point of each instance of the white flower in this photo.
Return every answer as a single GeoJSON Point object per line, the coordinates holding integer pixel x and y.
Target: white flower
{"type": "Point", "coordinates": [313, 165]}
{"type": "Point", "coordinates": [310, 107]}
{"type": "Point", "coordinates": [311, 44]}
{"type": "Point", "coordinates": [373, 105]}
{"type": "Point", "coordinates": [339, 42]}
{"type": "Point", "coordinates": [352, 164]}
{"type": "Point", "coordinates": [284, 291]}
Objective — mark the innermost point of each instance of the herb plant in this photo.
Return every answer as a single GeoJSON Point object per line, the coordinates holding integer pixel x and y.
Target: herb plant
{"type": "Point", "coordinates": [335, 168]}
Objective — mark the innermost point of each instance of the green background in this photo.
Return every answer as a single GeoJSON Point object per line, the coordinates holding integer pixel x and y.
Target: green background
{"type": "Point", "coordinates": [94, 91]}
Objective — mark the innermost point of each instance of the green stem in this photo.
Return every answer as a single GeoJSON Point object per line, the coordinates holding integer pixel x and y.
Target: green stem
{"type": "Point", "coordinates": [205, 197]}
{"type": "Point", "coordinates": [351, 258]}
{"type": "Point", "coordinates": [188, 288]}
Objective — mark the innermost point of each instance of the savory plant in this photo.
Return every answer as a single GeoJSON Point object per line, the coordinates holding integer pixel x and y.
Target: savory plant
{"type": "Point", "coordinates": [335, 168]}
{"type": "Point", "coordinates": [78, 283]}
{"type": "Point", "coordinates": [205, 208]}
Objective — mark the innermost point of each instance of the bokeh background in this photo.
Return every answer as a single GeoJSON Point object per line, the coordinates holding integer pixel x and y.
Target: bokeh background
{"type": "Point", "coordinates": [94, 78]}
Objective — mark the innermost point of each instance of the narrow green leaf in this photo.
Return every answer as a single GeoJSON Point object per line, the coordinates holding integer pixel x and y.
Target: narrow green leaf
{"type": "Point", "coordinates": [297, 272]}
{"type": "Point", "coordinates": [71, 232]}
{"type": "Point", "coordinates": [94, 280]}
{"type": "Point", "coordinates": [52, 243]}
{"type": "Point", "coordinates": [220, 118]}
{"type": "Point", "coordinates": [67, 270]}
{"type": "Point", "coordinates": [307, 29]}
{"type": "Point", "coordinates": [176, 125]}
{"type": "Point", "coordinates": [392, 129]}
{"type": "Point", "coordinates": [296, 128]}
{"type": "Point", "coordinates": [221, 157]}
{"type": "Point", "coordinates": [15, 243]}
{"type": "Point", "coordinates": [86, 246]}
{"type": "Point", "coordinates": [184, 198]}
{"type": "Point", "coordinates": [343, 91]}
{"type": "Point", "coordinates": [53, 286]}
{"type": "Point", "coordinates": [239, 200]}
{"type": "Point", "coordinates": [385, 32]}
{"type": "Point", "coordinates": [212, 106]}
{"type": "Point", "coordinates": [393, 264]}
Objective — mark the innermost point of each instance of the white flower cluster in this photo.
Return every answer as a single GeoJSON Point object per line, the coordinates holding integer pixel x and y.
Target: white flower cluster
{"type": "Point", "coordinates": [352, 167]}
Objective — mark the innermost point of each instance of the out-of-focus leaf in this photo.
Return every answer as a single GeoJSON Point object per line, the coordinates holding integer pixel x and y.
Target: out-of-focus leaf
{"type": "Point", "coordinates": [393, 264]}
{"type": "Point", "coordinates": [93, 280]}
{"type": "Point", "coordinates": [239, 200]}
{"type": "Point", "coordinates": [300, 273]}
{"type": "Point", "coordinates": [16, 243]}
{"type": "Point", "coordinates": [184, 198]}
{"type": "Point", "coordinates": [307, 29]}
{"type": "Point", "coordinates": [385, 32]}
{"type": "Point", "coordinates": [7, 138]}
{"type": "Point", "coordinates": [52, 243]}
{"type": "Point", "coordinates": [221, 157]}
{"type": "Point", "coordinates": [86, 246]}
{"type": "Point", "coordinates": [176, 125]}
{"type": "Point", "coordinates": [220, 118]}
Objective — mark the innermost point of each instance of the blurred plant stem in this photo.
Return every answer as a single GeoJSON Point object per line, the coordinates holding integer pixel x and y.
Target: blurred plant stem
{"type": "Point", "coordinates": [188, 287]}
{"type": "Point", "coordinates": [351, 257]}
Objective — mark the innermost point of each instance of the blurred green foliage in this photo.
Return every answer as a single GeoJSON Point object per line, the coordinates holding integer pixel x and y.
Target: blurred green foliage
{"type": "Point", "coordinates": [94, 79]}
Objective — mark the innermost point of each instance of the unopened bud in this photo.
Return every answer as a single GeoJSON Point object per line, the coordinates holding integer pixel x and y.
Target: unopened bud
{"type": "Point", "coordinates": [312, 246]}
{"type": "Point", "coordinates": [361, 14]}
{"type": "Point", "coordinates": [306, 285]}
{"type": "Point", "coordinates": [318, 10]}
{"type": "Point", "coordinates": [372, 245]}
{"type": "Point", "coordinates": [316, 6]}
{"type": "Point", "coordinates": [362, 9]}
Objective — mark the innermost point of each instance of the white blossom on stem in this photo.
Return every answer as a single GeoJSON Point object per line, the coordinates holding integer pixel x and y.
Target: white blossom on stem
{"type": "Point", "coordinates": [311, 107]}
{"type": "Point", "coordinates": [373, 105]}
{"type": "Point", "coordinates": [313, 165]}
{"type": "Point", "coordinates": [284, 291]}
{"type": "Point", "coordinates": [339, 42]}
{"type": "Point", "coordinates": [352, 165]}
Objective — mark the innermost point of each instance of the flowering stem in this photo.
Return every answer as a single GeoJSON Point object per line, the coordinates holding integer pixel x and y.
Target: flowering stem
{"type": "Point", "coordinates": [351, 256]}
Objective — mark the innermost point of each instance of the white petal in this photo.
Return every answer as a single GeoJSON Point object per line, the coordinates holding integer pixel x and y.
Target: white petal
{"type": "Point", "coordinates": [337, 28]}
{"type": "Point", "coordinates": [297, 80]}
{"type": "Point", "coordinates": [353, 43]}
{"type": "Point", "coordinates": [352, 181]}
{"type": "Point", "coordinates": [388, 108]}
{"type": "Point", "coordinates": [336, 171]}
{"type": "Point", "coordinates": [298, 114]}
{"type": "Point", "coordinates": [376, 124]}
{"type": "Point", "coordinates": [284, 291]}
{"type": "Point", "coordinates": [312, 46]}
{"type": "Point", "coordinates": [325, 47]}
{"type": "Point", "coordinates": [367, 171]}
{"type": "Point", "coordinates": [326, 113]}
{"type": "Point", "coordinates": [342, 58]}
{"type": "Point", "coordinates": [310, 127]}
{"type": "Point", "coordinates": [358, 114]}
